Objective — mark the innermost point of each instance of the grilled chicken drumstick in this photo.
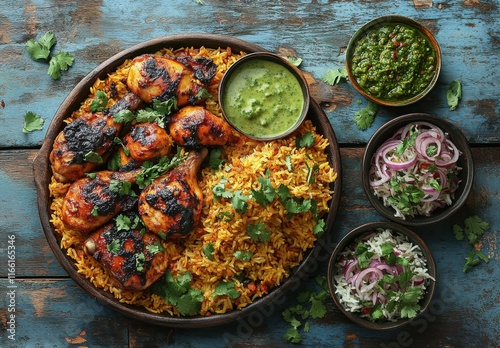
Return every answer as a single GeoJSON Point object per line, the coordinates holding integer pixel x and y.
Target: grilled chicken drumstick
{"type": "Point", "coordinates": [159, 77]}
{"type": "Point", "coordinates": [93, 132]}
{"type": "Point", "coordinates": [195, 126]}
{"type": "Point", "coordinates": [136, 260]}
{"type": "Point", "coordinates": [171, 205]}
{"type": "Point", "coordinates": [91, 202]}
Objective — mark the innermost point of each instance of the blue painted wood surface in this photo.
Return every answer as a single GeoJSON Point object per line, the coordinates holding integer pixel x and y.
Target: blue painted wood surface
{"type": "Point", "coordinates": [52, 311]}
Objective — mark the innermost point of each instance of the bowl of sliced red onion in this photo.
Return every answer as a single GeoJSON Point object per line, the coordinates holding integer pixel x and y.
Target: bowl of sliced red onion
{"type": "Point", "coordinates": [417, 169]}
{"type": "Point", "coordinates": [382, 275]}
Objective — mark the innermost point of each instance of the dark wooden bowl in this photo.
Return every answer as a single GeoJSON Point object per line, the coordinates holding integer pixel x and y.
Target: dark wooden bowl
{"type": "Point", "coordinates": [415, 240]}
{"type": "Point", "coordinates": [465, 161]}
{"type": "Point", "coordinates": [43, 173]}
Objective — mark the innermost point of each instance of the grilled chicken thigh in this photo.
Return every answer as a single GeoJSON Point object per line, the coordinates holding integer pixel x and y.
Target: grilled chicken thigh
{"type": "Point", "coordinates": [91, 202]}
{"type": "Point", "coordinates": [147, 141]}
{"type": "Point", "coordinates": [195, 126]}
{"type": "Point", "coordinates": [171, 205]}
{"type": "Point", "coordinates": [92, 133]}
{"type": "Point", "coordinates": [160, 77]}
{"type": "Point", "coordinates": [135, 260]}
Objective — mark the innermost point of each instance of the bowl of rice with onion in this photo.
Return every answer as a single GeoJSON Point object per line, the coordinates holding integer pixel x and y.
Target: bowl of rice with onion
{"type": "Point", "coordinates": [236, 260]}
{"type": "Point", "coordinates": [382, 275]}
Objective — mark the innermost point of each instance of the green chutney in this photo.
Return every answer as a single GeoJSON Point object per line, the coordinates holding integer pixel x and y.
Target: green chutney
{"type": "Point", "coordinates": [393, 62]}
{"type": "Point", "coordinates": [262, 98]}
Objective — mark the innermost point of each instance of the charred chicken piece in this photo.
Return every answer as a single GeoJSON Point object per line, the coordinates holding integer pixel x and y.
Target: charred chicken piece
{"type": "Point", "coordinates": [92, 133]}
{"type": "Point", "coordinates": [92, 202]}
{"type": "Point", "coordinates": [160, 77]}
{"type": "Point", "coordinates": [136, 260]}
{"type": "Point", "coordinates": [195, 126]}
{"type": "Point", "coordinates": [171, 205]}
{"type": "Point", "coordinates": [147, 141]}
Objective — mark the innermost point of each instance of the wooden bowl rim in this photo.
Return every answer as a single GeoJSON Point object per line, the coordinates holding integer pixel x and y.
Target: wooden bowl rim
{"type": "Point", "coordinates": [42, 176]}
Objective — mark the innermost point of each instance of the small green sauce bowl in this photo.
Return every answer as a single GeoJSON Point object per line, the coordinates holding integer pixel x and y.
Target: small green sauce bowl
{"type": "Point", "coordinates": [391, 20]}
{"type": "Point", "coordinates": [263, 96]}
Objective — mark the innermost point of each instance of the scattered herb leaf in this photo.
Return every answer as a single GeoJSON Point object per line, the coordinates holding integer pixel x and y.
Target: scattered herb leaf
{"type": "Point", "coordinates": [32, 122]}
{"type": "Point", "coordinates": [364, 118]}
{"type": "Point", "coordinates": [334, 76]}
{"type": "Point", "coordinates": [454, 94]}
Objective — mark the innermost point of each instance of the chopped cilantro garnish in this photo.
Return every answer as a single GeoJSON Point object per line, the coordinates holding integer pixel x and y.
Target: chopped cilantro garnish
{"type": "Point", "coordinates": [124, 116]}
{"type": "Point", "coordinates": [215, 159]}
{"type": "Point", "coordinates": [123, 188]}
{"type": "Point", "coordinates": [226, 288]}
{"type": "Point", "coordinates": [95, 211]}
{"type": "Point", "coordinates": [265, 194]}
{"type": "Point", "coordinates": [32, 122]}
{"type": "Point", "coordinates": [155, 248]}
{"type": "Point", "coordinates": [93, 157]}
{"type": "Point", "coordinates": [139, 261]}
{"type": "Point", "coordinates": [243, 255]}
{"type": "Point", "coordinates": [114, 246]}
{"type": "Point", "coordinates": [364, 256]}
{"type": "Point", "coordinates": [208, 250]}
{"type": "Point", "coordinates": [179, 293]}
{"type": "Point", "coordinates": [306, 140]}
{"type": "Point", "coordinates": [239, 202]}
{"type": "Point", "coordinates": [258, 232]}
{"type": "Point", "coordinates": [151, 170]}
{"type": "Point", "coordinates": [100, 102]}
{"type": "Point", "coordinates": [220, 191]}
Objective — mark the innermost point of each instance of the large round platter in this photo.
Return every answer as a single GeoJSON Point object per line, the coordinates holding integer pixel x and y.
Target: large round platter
{"type": "Point", "coordinates": [43, 173]}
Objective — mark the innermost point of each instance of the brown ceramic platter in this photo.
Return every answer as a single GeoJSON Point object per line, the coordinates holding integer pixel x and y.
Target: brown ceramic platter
{"type": "Point", "coordinates": [262, 307]}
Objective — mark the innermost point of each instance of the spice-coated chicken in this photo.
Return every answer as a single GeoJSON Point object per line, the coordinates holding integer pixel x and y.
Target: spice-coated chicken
{"type": "Point", "coordinates": [160, 77]}
{"type": "Point", "coordinates": [147, 141]}
{"type": "Point", "coordinates": [91, 202]}
{"type": "Point", "coordinates": [195, 126]}
{"type": "Point", "coordinates": [136, 259]}
{"type": "Point", "coordinates": [171, 205]}
{"type": "Point", "coordinates": [92, 133]}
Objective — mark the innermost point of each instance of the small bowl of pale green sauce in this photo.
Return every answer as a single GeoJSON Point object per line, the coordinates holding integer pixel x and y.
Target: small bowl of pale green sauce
{"type": "Point", "coordinates": [263, 96]}
{"type": "Point", "coordinates": [393, 60]}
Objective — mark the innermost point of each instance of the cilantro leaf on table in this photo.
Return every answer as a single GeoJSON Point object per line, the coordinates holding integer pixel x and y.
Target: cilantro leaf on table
{"type": "Point", "coordinates": [364, 118]}
{"type": "Point", "coordinates": [60, 62]}
{"type": "Point", "coordinates": [454, 94]}
{"type": "Point", "coordinates": [334, 76]}
{"type": "Point", "coordinates": [312, 305]}
{"type": "Point", "coordinates": [40, 49]}
{"type": "Point", "coordinates": [296, 61]}
{"type": "Point", "coordinates": [32, 122]}
{"type": "Point", "coordinates": [473, 229]}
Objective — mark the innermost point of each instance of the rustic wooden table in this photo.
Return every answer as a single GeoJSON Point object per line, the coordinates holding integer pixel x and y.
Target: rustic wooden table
{"type": "Point", "coordinates": [50, 310]}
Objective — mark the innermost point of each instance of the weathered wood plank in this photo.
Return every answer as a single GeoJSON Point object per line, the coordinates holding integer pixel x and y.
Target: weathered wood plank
{"type": "Point", "coordinates": [318, 32]}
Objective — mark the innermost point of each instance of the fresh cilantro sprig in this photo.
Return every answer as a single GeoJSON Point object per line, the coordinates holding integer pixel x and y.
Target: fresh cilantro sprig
{"type": "Point", "coordinates": [226, 288]}
{"type": "Point", "coordinates": [259, 232]}
{"type": "Point", "coordinates": [151, 170]}
{"type": "Point", "coordinates": [100, 102]}
{"type": "Point", "coordinates": [454, 94]}
{"type": "Point", "coordinates": [364, 118]}
{"type": "Point", "coordinates": [178, 292]}
{"type": "Point", "coordinates": [473, 229]}
{"type": "Point", "coordinates": [32, 122]}
{"type": "Point", "coordinates": [334, 76]}
{"type": "Point", "coordinates": [311, 305]}
{"type": "Point", "coordinates": [40, 51]}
